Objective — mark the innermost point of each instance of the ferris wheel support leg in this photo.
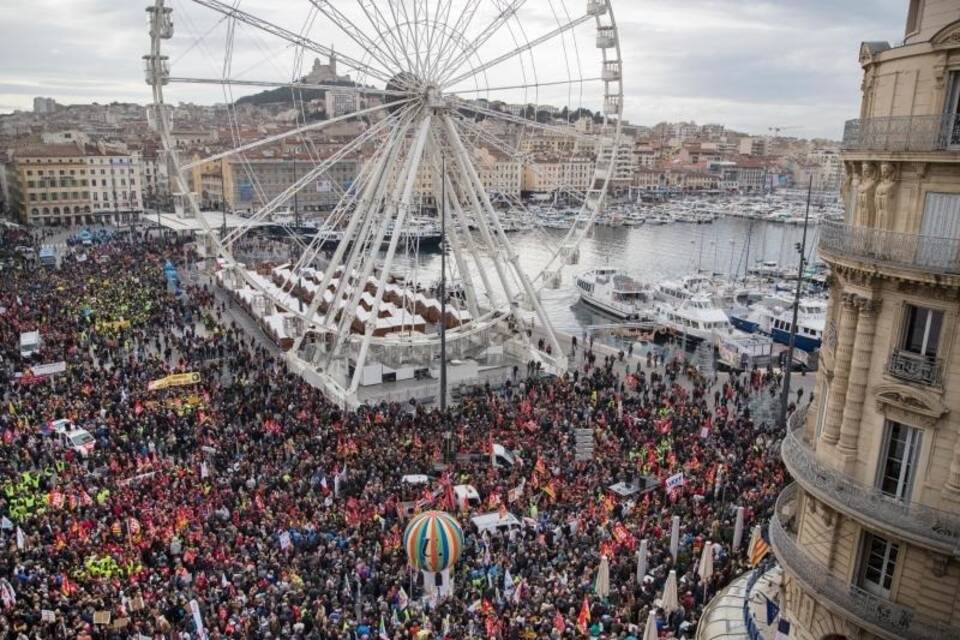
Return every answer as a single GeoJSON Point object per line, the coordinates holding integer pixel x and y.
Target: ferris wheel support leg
{"type": "Point", "coordinates": [366, 262]}
{"type": "Point", "coordinates": [559, 359]}
{"type": "Point", "coordinates": [471, 244]}
{"type": "Point", "coordinates": [338, 254]}
{"type": "Point", "coordinates": [463, 164]}
{"type": "Point", "coordinates": [455, 240]}
{"type": "Point", "coordinates": [405, 206]}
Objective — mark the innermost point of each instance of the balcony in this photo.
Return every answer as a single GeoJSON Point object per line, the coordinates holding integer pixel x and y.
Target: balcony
{"type": "Point", "coordinates": [913, 367]}
{"type": "Point", "coordinates": [917, 523]}
{"type": "Point", "coordinates": [900, 250]}
{"type": "Point", "coordinates": [903, 133]}
{"type": "Point", "coordinates": [881, 617]}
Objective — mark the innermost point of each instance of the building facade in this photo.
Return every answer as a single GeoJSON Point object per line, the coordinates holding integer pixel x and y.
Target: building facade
{"type": "Point", "coordinates": [65, 184]}
{"type": "Point", "coordinates": [868, 535]}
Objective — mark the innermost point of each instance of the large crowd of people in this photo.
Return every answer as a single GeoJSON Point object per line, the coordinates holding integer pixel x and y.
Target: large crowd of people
{"type": "Point", "coordinates": [244, 505]}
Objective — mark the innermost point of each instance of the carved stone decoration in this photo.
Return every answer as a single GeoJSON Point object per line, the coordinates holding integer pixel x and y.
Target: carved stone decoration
{"type": "Point", "coordinates": [847, 184]}
{"type": "Point", "coordinates": [921, 169]}
{"type": "Point", "coordinates": [947, 38]}
{"type": "Point", "coordinates": [884, 195]}
{"type": "Point", "coordinates": [865, 196]}
{"type": "Point", "coordinates": [938, 564]}
{"type": "Point", "coordinates": [902, 401]}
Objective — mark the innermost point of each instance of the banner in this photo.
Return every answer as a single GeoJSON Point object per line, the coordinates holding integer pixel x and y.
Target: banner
{"type": "Point", "coordinates": [675, 481]}
{"type": "Point", "coordinates": [49, 369]}
{"type": "Point", "coordinates": [176, 380]}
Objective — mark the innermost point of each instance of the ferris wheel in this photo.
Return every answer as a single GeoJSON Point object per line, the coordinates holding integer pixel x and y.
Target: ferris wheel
{"type": "Point", "coordinates": [476, 117]}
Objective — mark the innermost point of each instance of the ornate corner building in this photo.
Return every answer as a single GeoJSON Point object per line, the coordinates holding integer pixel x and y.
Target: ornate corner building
{"type": "Point", "coordinates": [868, 535]}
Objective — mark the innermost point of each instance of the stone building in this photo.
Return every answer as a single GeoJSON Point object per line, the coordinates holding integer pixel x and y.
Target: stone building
{"type": "Point", "coordinates": [868, 535]}
{"type": "Point", "coordinates": [67, 184]}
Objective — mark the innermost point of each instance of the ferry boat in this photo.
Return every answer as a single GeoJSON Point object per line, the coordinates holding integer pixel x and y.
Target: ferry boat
{"type": "Point", "coordinates": [774, 317]}
{"type": "Point", "coordinates": [698, 318]}
{"type": "Point", "coordinates": [614, 292]}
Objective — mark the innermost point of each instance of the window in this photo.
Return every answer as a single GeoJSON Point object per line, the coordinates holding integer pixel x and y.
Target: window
{"type": "Point", "coordinates": [921, 334]}
{"type": "Point", "coordinates": [898, 461]}
{"type": "Point", "coordinates": [878, 562]}
{"type": "Point", "coordinates": [913, 16]}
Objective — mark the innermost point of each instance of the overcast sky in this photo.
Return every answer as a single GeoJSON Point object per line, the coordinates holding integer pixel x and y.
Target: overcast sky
{"type": "Point", "coordinates": [749, 64]}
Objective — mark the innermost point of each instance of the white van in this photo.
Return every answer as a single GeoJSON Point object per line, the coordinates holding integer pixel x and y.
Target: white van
{"type": "Point", "coordinates": [79, 440]}
{"type": "Point", "coordinates": [29, 344]}
{"type": "Point", "coordinates": [495, 522]}
{"type": "Point", "coordinates": [467, 496]}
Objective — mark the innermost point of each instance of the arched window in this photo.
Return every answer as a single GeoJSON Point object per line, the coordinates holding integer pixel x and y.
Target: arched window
{"type": "Point", "coordinates": [46, 211]}
{"type": "Point", "coordinates": [35, 212]}
{"type": "Point", "coordinates": [56, 211]}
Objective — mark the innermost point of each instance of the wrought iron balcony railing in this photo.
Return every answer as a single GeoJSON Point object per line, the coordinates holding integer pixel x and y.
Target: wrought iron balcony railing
{"type": "Point", "coordinates": [886, 618]}
{"type": "Point", "coordinates": [923, 525]}
{"type": "Point", "coordinates": [913, 367]}
{"type": "Point", "coordinates": [903, 133]}
{"type": "Point", "coordinates": [926, 253]}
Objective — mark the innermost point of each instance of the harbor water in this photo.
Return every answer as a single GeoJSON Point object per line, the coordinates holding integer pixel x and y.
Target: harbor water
{"type": "Point", "coordinates": [649, 253]}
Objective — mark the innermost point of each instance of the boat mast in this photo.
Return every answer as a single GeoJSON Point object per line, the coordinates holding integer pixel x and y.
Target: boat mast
{"type": "Point", "coordinates": [785, 397]}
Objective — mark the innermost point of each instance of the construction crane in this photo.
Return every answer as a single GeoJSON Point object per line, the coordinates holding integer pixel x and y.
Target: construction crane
{"type": "Point", "coordinates": [776, 130]}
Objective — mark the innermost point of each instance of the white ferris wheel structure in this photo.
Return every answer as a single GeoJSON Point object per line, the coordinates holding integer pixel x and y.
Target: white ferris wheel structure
{"type": "Point", "coordinates": [432, 84]}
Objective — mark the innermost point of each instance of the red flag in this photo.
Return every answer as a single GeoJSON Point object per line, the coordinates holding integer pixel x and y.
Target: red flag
{"type": "Point", "coordinates": [584, 617]}
{"type": "Point", "coordinates": [559, 623]}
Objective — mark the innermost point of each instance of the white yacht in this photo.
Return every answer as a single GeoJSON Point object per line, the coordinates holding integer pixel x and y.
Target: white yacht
{"type": "Point", "coordinates": [774, 317]}
{"type": "Point", "coordinates": [614, 292]}
{"type": "Point", "coordinates": [697, 317]}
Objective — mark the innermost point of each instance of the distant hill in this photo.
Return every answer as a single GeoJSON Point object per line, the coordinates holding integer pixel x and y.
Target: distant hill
{"type": "Point", "coordinates": [285, 95]}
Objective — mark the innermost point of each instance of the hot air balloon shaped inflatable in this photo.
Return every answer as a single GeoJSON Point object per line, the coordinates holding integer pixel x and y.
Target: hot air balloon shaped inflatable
{"type": "Point", "coordinates": [433, 541]}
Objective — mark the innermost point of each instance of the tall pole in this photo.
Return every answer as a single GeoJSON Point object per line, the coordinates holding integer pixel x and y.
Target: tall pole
{"type": "Point", "coordinates": [443, 288]}
{"type": "Point", "coordinates": [223, 208]}
{"type": "Point", "coordinates": [296, 228]}
{"type": "Point", "coordinates": [785, 397]}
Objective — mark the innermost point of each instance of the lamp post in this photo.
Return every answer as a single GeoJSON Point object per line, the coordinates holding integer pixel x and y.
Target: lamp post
{"type": "Point", "coordinates": [443, 288]}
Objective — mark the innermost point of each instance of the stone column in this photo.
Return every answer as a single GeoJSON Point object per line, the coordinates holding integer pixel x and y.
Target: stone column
{"type": "Point", "coordinates": [860, 372]}
{"type": "Point", "coordinates": [841, 369]}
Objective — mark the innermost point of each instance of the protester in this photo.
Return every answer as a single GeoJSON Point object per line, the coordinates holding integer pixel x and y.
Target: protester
{"type": "Point", "coordinates": [248, 504]}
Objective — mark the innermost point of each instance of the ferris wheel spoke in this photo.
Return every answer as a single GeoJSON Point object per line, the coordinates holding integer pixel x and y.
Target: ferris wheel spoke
{"type": "Point", "coordinates": [300, 86]}
{"type": "Point", "coordinates": [386, 59]}
{"type": "Point", "coordinates": [527, 46]}
{"type": "Point", "coordinates": [403, 207]}
{"type": "Point", "coordinates": [457, 61]}
{"type": "Point", "coordinates": [293, 38]}
{"type": "Point", "coordinates": [508, 117]}
{"type": "Point", "coordinates": [293, 132]}
{"type": "Point", "coordinates": [433, 31]}
{"type": "Point", "coordinates": [447, 47]}
{"type": "Point", "coordinates": [512, 152]}
{"type": "Point", "coordinates": [530, 85]}
{"type": "Point", "coordinates": [382, 27]}
{"type": "Point", "coordinates": [308, 178]}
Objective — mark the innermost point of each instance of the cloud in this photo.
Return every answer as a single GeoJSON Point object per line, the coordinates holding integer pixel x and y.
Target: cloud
{"type": "Point", "coordinates": [751, 64]}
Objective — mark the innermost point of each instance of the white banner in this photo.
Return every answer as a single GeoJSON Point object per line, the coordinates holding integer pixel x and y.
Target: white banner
{"type": "Point", "coordinates": [675, 481]}
{"type": "Point", "coordinates": [198, 620]}
{"type": "Point", "coordinates": [49, 369]}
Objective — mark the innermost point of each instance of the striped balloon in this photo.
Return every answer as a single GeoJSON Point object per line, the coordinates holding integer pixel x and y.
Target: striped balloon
{"type": "Point", "coordinates": [433, 540]}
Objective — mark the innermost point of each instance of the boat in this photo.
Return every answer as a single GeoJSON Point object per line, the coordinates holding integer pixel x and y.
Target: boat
{"type": "Point", "coordinates": [614, 292]}
{"type": "Point", "coordinates": [698, 318]}
{"type": "Point", "coordinates": [774, 317]}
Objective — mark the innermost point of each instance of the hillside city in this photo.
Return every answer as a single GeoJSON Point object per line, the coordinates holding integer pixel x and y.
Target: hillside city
{"type": "Point", "coordinates": [681, 157]}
